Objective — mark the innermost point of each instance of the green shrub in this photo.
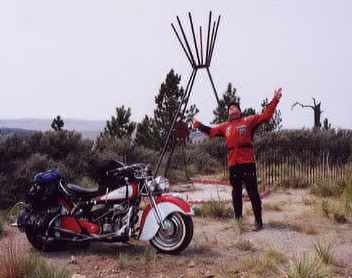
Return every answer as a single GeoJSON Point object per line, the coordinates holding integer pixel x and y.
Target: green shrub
{"type": "Point", "coordinates": [202, 162]}
{"type": "Point", "coordinates": [23, 156]}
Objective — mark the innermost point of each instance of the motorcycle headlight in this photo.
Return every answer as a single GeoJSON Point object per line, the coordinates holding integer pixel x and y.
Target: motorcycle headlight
{"type": "Point", "coordinates": [151, 185]}
{"type": "Point", "coordinates": [162, 184]}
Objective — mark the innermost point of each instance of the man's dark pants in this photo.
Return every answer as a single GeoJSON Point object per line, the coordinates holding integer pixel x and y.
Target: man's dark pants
{"type": "Point", "coordinates": [245, 174]}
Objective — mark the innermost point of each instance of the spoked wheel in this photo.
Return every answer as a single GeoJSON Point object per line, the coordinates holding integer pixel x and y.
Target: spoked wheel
{"type": "Point", "coordinates": [176, 235]}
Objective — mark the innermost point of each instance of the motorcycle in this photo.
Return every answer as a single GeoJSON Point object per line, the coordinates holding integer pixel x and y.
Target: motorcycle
{"type": "Point", "coordinates": [55, 211]}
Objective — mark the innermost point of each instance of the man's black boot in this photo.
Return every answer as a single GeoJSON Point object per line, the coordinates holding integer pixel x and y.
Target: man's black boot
{"type": "Point", "coordinates": [258, 226]}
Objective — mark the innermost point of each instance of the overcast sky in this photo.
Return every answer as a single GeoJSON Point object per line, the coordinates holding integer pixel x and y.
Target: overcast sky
{"type": "Point", "coordinates": [82, 58]}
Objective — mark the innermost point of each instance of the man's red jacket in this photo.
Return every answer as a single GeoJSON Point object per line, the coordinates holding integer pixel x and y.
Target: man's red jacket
{"type": "Point", "coordinates": [239, 134]}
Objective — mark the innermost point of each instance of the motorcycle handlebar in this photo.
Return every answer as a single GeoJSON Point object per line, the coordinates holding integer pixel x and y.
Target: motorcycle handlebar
{"type": "Point", "coordinates": [140, 166]}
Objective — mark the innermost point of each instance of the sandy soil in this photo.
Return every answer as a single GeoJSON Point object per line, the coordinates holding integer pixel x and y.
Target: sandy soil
{"type": "Point", "coordinates": [290, 228]}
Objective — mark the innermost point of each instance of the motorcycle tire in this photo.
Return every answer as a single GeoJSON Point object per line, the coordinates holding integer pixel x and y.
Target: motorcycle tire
{"type": "Point", "coordinates": [176, 236]}
{"type": "Point", "coordinates": [41, 244]}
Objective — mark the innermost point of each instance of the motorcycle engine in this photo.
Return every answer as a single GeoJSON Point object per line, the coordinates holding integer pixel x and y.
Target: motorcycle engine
{"type": "Point", "coordinates": [111, 219]}
{"type": "Point", "coordinates": [35, 221]}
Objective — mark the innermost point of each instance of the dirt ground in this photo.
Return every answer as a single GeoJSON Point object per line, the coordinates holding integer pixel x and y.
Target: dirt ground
{"type": "Point", "coordinates": [292, 227]}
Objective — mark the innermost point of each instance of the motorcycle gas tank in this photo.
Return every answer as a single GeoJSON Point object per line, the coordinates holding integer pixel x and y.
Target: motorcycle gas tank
{"type": "Point", "coordinates": [129, 191]}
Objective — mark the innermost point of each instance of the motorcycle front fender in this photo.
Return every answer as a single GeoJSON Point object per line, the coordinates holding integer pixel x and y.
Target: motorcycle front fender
{"type": "Point", "coordinates": [167, 205]}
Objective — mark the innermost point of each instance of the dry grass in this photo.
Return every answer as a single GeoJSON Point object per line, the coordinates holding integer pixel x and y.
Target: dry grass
{"type": "Point", "coordinates": [273, 206]}
{"type": "Point", "coordinates": [239, 226]}
{"type": "Point", "coordinates": [336, 204]}
{"type": "Point", "coordinates": [245, 245]}
{"type": "Point", "coordinates": [2, 224]}
{"type": "Point", "coordinates": [248, 211]}
{"type": "Point", "coordinates": [149, 255]}
{"type": "Point", "coordinates": [214, 209]}
{"type": "Point", "coordinates": [325, 251]}
{"type": "Point", "coordinates": [308, 201]}
{"type": "Point", "coordinates": [327, 188]}
{"type": "Point", "coordinates": [304, 228]}
{"type": "Point", "coordinates": [265, 265]}
{"type": "Point", "coordinates": [307, 266]}
{"type": "Point", "coordinates": [16, 264]}
{"type": "Point", "coordinates": [127, 260]}
{"type": "Point", "coordinates": [294, 182]}
{"type": "Point", "coordinates": [347, 196]}
{"type": "Point", "coordinates": [334, 209]}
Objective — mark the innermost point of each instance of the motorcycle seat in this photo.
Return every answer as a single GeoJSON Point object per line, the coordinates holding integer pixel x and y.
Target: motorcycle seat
{"type": "Point", "coordinates": [83, 191]}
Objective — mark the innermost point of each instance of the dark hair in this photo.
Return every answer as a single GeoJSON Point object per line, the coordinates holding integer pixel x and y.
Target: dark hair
{"type": "Point", "coordinates": [235, 103]}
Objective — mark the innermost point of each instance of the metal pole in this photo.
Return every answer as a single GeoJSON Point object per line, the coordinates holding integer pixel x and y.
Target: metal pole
{"type": "Point", "coordinates": [207, 50]}
{"type": "Point", "coordinates": [185, 39]}
{"type": "Point", "coordinates": [201, 44]}
{"type": "Point", "coordinates": [188, 95]}
{"type": "Point", "coordinates": [182, 45]}
{"type": "Point", "coordinates": [191, 80]}
{"type": "Point", "coordinates": [194, 37]}
{"type": "Point", "coordinates": [213, 86]}
{"type": "Point", "coordinates": [216, 34]}
{"type": "Point", "coordinates": [210, 45]}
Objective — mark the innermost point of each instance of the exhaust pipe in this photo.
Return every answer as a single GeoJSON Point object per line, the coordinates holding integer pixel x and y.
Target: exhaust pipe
{"type": "Point", "coordinates": [86, 237]}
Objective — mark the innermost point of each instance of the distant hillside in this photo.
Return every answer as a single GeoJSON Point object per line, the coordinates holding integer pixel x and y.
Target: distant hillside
{"type": "Point", "coordinates": [10, 131]}
{"type": "Point", "coordinates": [89, 129]}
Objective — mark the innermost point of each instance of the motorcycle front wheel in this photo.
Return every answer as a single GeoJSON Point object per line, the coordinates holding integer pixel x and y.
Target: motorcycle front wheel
{"type": "Point", "coordinates": [176, 235]}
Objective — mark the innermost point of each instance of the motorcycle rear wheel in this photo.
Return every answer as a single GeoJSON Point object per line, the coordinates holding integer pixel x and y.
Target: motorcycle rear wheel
{"type": "Point", "coordinates": [176, 236]}
{"type": "Point", "coordinates": [39, 243]}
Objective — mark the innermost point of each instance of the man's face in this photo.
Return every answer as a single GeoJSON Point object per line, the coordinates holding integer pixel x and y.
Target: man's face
{"type": "Point", "coordinates": [234, 112]}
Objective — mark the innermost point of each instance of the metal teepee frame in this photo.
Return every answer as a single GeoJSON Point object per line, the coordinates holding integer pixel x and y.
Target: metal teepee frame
{"type": "Point", "coordinates": [198, 60]}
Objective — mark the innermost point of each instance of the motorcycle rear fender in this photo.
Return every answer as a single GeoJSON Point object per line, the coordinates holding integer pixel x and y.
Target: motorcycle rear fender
{"type": "Point", "coordinates": [167, 204]}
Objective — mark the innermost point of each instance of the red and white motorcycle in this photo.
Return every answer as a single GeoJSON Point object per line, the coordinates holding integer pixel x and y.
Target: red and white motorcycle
{"type": "Point", "coordinates": [56, 211]}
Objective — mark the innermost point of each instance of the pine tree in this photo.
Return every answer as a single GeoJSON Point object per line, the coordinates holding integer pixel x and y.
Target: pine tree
{"type": "Point", "coordinates": [57, 124]}
{"type": "Point", "coordinates": [221, 112]}
{"type": "Point", "coordinates": [275, 123]}
{"type": "Point", "coordinates": [120, 126]}
{"type": "Point", "coordinates": [326, 124]}
{"type": "Point", "coordinates": [248, 111]}
{"type": "Point", "coordinates": [146, 133]}
{"type": "Point", "coordinates": [190, 113]}
{"type": "Point", "coordinates": [167, 102]}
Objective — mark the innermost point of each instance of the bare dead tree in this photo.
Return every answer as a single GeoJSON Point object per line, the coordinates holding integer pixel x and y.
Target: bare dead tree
{"type": "Point", "coordinates": [316, 109]}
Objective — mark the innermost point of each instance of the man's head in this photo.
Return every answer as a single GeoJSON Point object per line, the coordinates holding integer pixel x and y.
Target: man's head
{"type": "Point", "coordinates": [234, 110]}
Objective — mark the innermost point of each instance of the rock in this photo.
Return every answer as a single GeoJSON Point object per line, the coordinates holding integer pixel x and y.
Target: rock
{"type": "Point", "coordinates": [96, 267]}
{"type": "Point", "coordinates": [208, 274]}
{"type": "Point", "coordinates": [191, 264]}
{"type": "Point", "coordinates": [78, 276]}
{"type": "Point", "coordinates": [73, 260]}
